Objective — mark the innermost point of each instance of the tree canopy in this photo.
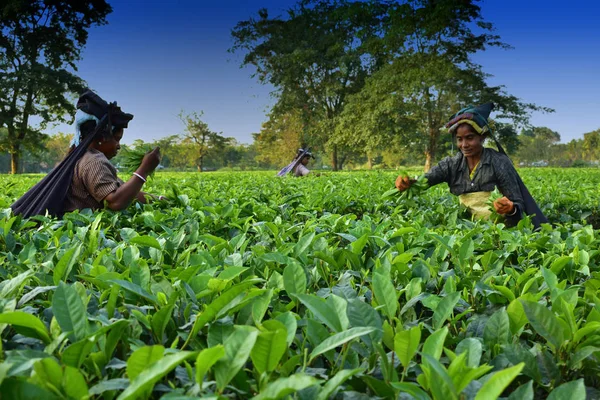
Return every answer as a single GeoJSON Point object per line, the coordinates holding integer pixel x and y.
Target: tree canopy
{"type": "Point", "coordinates": [363, 72]}
{"type": "Point", "coordinates": [40, 44]}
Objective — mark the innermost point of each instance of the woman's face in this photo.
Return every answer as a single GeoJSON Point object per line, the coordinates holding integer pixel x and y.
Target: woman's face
{"type": "Point", "coordinates": [111, 145]}
{"type": "Point", "coordinates": [468, 141]}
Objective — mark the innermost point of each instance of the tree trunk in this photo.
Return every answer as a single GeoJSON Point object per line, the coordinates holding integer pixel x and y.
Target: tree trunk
{"type": "Point", "coordinates": [341, 162]}
{"type": "Point", "coordinates": [334, 163]}
{"type": "Point", "coordinates": [370, 161]}
{"type": "Point", "coordinates": [14, 162]}
{"type": "Point", "coordinates": [199, 165]}
{"type": "Point", "coordinates": [430, 153]}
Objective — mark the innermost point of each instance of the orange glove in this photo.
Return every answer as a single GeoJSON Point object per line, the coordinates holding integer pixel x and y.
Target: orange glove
{"type": "Point", "coordinates": [403, 183]}
{"type": "Point", "coordinates": [504, 206]}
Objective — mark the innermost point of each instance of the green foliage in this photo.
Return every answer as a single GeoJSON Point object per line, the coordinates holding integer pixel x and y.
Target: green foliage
{"type": "Point", "coordinates": [132, 158]}
{"type": "Point", "coordinates": [40, 45]}
{"type": "Point", "coordinates": [246, 286]}
{"type": "Point", "coordinates": [201, 137]}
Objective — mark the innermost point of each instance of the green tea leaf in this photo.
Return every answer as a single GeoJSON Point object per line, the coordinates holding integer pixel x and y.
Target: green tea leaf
{"type": "Point", "coordinates": [406, 344]}
{"type": "Point", "coordinates": [434, 344]}
{"type": "Point", "coordinates": [17, 389]}
{"type": "Point", "coordinates": [361, 314]}
{"type": "Point", "coordinates": [283, 387]}
{"type": "Point", "coordinates": [516, 316]}
{"type": "Point", "coordinates": [294, 279]}
{"type": "Point", "coordinates": [290, 323]}
{"type": "Point", "coordinates": [473, 349]}
{"type": "Point", "coordinates": [269, 347]}
{"type": "Point", "coordinates": [76, 354]}
{"type": "Point", "coordinates": [146, 241]}
{"type": "Point", "coordinates": [497, 329]}
{"type": "Point", "coordinates": [260, 306]}
{"type": "Point", "coordinates": [69, 311]}
{"type": "Point", "coordinates": [26, 324]}
{"type": "Point", "coordinates": [237, 350]}
{"type": "Point", "coordinates": [494, 386]}
{"type": "Point", "coordinates": [48, 372]}
{"type": "Point", "coordinates": [213, 309]}
{"type": "Point", "coordinates": [321, 310]}
{"type": "Point", "coordinates": [442, 386]}
{"type": "Point", "coordinates": [339, 339]}
{"type": "Point", "coordinates": [385, 294]}
{"type": "Point", "coordinates": [74, 383]}
{"type": "Point", "coordinates": [206, 359]}
{"type": "Point", "coordinates": [332, 384]}
{"type": "Point", "coordinates": [412, 389]}
{"type": "Point", "coordinates": [523, 392]}
{"type": "Point", "coordinates": [135, 289]}
{"type": "Point", "coordinates": [559, 263]}
{"type": "Point", "coordinates": [146, 380]}
{"type": "Point", "coordinates": [10, 287]}
{"type": "Point", "coordinates": [574, 390]}
{"type": "Point", "coordinates": [444, 309]}
{"type": "Point", "coordinates": [303, 244]}
{"type": "Point", "coordinates": [544, 322]}
{"type": "Point", "coordinates": [143, 358]}
{"type": "Point", "coordinates": [64, 265]}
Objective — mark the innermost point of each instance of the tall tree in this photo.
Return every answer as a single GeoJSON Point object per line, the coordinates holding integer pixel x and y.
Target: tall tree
{"type": "Point", "coordinates": [198, 133]}
{"type": "Point", "coordinates": [279, 139]}
{"type": "Point", "coordinates": [56, 148]}
{"type": "Point", "coordinates": [40, 43]}
{"type": "Point", "coordinates": [315, 58]}
{"type": "Point", "coordinates": [536, 144]}
{"type": "Point", "coordinates": [591, 145]}
{"type": "Point", "coordinates": [364, 71]}
{"type": "Point", "coordinates": [431, 73]}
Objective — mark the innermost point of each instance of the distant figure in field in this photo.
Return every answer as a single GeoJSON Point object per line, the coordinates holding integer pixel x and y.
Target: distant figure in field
{"type": "Point", "coordinates": [475, 171]}
{"type": "Point", "coordinates": [86, 178]}
{"type": "Point", "coordinates": [298, 165]}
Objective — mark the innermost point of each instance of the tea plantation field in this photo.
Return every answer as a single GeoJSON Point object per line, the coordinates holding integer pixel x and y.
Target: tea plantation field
{"type": "Point", "coordinates": [245, 285]}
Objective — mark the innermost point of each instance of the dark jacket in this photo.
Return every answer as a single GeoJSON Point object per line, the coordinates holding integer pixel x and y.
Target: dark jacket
{"type": "Point", "coordinates": [494, 170]}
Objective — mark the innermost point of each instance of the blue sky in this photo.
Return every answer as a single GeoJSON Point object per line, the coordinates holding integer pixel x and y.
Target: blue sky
{"type": "Point", "coordinates": [157, 60]}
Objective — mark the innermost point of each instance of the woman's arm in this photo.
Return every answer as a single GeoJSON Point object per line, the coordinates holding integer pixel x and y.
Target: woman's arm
{"type": "Point", "coordinates": [439, 173]}
{"type": "Point", "coordinates": [130, 190]}
{"type": "Point", "coordinates": [508, 184]}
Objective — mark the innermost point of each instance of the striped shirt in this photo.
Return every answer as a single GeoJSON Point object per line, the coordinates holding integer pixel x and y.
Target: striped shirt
{"type": "Point", "coordinates": [94, 178]}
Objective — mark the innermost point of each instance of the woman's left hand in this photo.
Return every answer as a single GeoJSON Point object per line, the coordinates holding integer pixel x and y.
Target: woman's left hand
{"type": "Point", "coordinates": [504, 206]}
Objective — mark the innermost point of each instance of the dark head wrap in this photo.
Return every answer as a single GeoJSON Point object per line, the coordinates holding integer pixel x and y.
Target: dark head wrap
{"type": "Point", "coordinates": [90, 103]}
{"type": "Point", "coordinates": [477, 117]}
{"type": "Point", "coordinates": [48, 195]}
{"type": "Point", "coordinates": [304, 153]}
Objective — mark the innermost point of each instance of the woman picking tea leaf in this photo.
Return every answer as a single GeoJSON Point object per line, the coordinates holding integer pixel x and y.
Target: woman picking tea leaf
{"type": "Point", "coordinates": [86, 178]}
{"type": "Point", "coordinates": [298, 164]}
{"type": "Point", "coordinates": [476, 171]}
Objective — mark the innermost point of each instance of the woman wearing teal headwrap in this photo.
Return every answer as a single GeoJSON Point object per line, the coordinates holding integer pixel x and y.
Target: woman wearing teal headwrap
{"type": "Point", "coordinates": [475, 171]}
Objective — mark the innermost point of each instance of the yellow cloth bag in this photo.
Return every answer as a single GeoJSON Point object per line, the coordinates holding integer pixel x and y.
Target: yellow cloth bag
{"type": "Point", "coordinates": [476, 204]}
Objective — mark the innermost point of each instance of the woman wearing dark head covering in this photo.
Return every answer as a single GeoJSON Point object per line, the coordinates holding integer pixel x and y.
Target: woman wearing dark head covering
{"type": "Point", "coordinates": [475, 171]}
{"type": "Point", "coordinates": [301, 169]}
{"type": "Point", "coordinates": [298, 164]}
{"type": "Point", "coordinates": [86, 178]}
{"type": "Point", "coordinates": [95, 179]}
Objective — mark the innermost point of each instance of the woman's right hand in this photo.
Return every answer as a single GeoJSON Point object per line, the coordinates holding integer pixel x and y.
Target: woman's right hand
{"type": "Point", "coordinates": [150, 162]}
{"type": "Point", "coordinates": [403, 183]}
